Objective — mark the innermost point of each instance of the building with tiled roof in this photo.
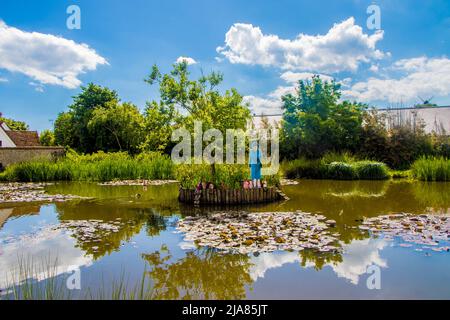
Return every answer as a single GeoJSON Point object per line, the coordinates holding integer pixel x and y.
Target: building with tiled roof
{"type": "Point", "coordinates": [15, 138]}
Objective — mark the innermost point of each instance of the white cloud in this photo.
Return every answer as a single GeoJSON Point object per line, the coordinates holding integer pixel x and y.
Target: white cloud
{"type": "Point", "coordinates": [420, 76]}
{"type": "Point", "coordinates": [295, 77]}
{"type": "Point", "coordinates": [3, 79]}
{"type": "Point", "coordinates": [343, 48]}
{"type": "Point", "coordinates": [188, 60]}
{"type": "Point", "coordinates": [46, 58]}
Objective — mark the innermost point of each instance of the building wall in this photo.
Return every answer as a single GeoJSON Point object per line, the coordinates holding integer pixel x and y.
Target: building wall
{"type": "Point", "coordinates": [14, 155]}
{"type": "Point", "coordinates": [435, 118]}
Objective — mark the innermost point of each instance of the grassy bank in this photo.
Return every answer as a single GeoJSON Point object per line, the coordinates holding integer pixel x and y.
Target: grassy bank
{"type": "Point", "coordinates": [336, 167]}
{"type": "Point", "coordinates": [431, 169]}
{"type": "Point", "coordinates": [96, 167]}
{"type": "Point", "coordinates": [121, 166]}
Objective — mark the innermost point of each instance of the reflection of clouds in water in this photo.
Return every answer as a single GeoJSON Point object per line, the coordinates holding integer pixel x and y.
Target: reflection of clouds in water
{"type": "Point", "coordinates": [357, 257]}
{"type": "Point", "coordinates": [46, 244]}
{"type": "Point", "coordinates": [266, 261]}
{"type": "Point", "coordinates": [186, 245]}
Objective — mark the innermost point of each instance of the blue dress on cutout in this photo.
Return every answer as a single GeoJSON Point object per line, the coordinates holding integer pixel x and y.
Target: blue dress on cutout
{"type": "Point", "coordinates": [255, 164]}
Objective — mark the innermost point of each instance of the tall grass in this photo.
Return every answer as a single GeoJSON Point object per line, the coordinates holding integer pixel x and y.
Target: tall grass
{"type": "Point", "coordinates": [96, 167]}
{"type": "Point", "coordinates": [431, 169]}
{"type": "Point", "coordinates": [43, 280]}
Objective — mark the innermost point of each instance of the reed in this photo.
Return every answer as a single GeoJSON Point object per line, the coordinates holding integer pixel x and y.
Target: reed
{"type": "Point", "coordinates": [431, 169]}
{"type": "Point", "coordinates": [96, 167]}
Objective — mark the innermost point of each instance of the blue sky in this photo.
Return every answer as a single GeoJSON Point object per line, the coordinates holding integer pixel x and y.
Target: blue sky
{"type": "Point", "coordinates": [264, 48]}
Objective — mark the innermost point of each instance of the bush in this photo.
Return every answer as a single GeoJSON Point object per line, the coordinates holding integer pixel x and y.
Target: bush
{"type": "Point", "coordinates": [335, 166]}
{"type": "Point", "coordinates": [341, 171]}
{"type": "Point", "coordinates": [369, 170]}
{"type": "Point", "coordinates": [431, 169]}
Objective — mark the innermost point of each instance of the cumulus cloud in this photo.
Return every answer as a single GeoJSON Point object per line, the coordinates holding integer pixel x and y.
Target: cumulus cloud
{"type": "Point", "coordinates": [343, 48]}
{"type": "Point", "coordinates": [46, 58]}
{"type": "Point", "coordinates": [188, 60]}
{"type": "Point", "coordinates": [420, 76]}
{"type": "Point", "coordinates": [295, 77]}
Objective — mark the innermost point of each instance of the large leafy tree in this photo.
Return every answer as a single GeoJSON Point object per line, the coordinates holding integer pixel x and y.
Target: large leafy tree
{"type": "Point", "coordinates": [97, 120]}
{"type": "Point", "coordinates": [72, 127]}
{"type": "Point", "coordinates": [117, 127]}
{"type": "Point", "coordinates": [315, 122]}
{"type": "Point", "coordinates": [196, 100]}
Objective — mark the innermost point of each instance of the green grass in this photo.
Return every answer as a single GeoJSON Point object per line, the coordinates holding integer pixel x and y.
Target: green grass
{"type": "Point", "coordinates": [96, 167]}
{"type": "Point", "coordinates": [431, 169]}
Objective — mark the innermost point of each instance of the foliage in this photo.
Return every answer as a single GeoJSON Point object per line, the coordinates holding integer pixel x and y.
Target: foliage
{"type": "Point", "coordinates": [47, 138]}
{"type": "Point", "coordinates": [117, 127]}
{"type": "Point", "coordinates": [370, 170]}
{"type": "Point", "coordinates": [14, 124]}
{"type": "Point", "coordinates": [71, 127]}
{"type": "Point", "coordinates": [227, 176]}
{"type": "Point", "coordinates": [200, 99]}
{"type": "Point", "coordinates": [159, 124]}
{"type": "Point", "coordinates": [431, 169]}
{"type": "Point", "coordinates": [314, 122]}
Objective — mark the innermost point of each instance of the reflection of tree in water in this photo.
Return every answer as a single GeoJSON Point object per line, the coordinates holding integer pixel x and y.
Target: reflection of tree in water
{"type": "Point", "coordinates": [320, 259]}
{"type": "Point", "coordinates": [132, 220]}
{"type": "Point", "coordinates": [201, 274]}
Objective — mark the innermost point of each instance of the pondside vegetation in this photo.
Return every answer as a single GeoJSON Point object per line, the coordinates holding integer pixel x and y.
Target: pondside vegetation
{"type": "Point", "coordinates": [321, 136]}
{"type": "Point", "coordinates": [43, 280]}
{"type": "Point", "coordinates": [431, 169]}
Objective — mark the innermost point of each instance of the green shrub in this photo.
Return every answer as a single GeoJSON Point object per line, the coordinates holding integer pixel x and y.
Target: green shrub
{"type": "Point", "coordinates": [369, 170]}
{"type": "Point", "coordinates": [346, 169]}
{"type": "Point", "coordinates": [431, 169]}
{"type": "Point", "coordinates": [341, 171]}
{"type": "Point", "coordinates": [303, 168]}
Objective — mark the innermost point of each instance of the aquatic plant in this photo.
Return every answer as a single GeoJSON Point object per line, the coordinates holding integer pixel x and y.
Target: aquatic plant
{"type": "Point", "coordinates": [370, 170]}
{"type": "Point", "coordinates": [431, 169]}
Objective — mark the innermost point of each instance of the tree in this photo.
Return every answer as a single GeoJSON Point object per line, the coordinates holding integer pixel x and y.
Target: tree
{"type": "Point", "coordinates": [47, 138]}
{"type": "Point", "coordinates": [72, 127]}
{"type": "Point", "coordinates": [65, 132]}
{"type": "Point", "coordinates": [117, 127]}
{"type": "Point", "coordinates": [160, 120]}
{"type": "Point", "coordinates": [315, 122]}
{"type": "Point", "coordinates": [14, 124]}
{"type": "Point", "coordinates": [200, 99]}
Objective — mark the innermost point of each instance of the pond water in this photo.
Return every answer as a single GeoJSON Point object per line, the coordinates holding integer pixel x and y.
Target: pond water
{"type": "Point", "coordinates": [144, 242]}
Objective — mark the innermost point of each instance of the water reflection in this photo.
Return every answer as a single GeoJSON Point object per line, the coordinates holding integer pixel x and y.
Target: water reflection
{"type": "Point", "coordinates": [180, 270]}
{"type": "Point", "coordinates": [200, 274]}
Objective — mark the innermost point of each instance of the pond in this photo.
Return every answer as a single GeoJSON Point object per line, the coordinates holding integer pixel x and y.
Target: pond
{"type": "Point", "coordinates": [133, 236]}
